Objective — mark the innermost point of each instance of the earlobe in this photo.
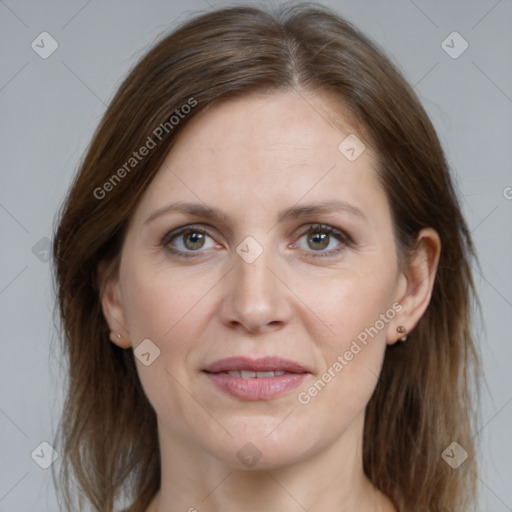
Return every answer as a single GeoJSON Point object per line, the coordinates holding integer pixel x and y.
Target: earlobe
{"type": "Point", "coordinates": [117, 339]}
{"type": "Point", "coordinates": [416, 283]}
{"type": "Point", "coordinates": [112, 307]}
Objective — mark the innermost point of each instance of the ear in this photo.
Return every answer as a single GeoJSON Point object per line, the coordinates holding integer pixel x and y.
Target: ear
{"type": "Point", "coordinates": [113, 310]}
{"type": "Point", "coordinates": [415, 283]}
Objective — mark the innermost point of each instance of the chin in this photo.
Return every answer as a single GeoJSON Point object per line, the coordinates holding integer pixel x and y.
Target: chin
{"type": "Point", "coordinates": [258, 447]}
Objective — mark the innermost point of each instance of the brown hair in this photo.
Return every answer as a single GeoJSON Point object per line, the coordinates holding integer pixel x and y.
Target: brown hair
{"type": "Point", "coordinates": [423, 400]}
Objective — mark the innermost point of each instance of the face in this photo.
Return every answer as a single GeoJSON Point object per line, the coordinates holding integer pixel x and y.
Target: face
{"type": "Point", "coordinates": [260, 247]}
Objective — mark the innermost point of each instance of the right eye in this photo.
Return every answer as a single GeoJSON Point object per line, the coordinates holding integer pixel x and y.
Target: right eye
{"type": "Point", "coordinates": [188, 241]}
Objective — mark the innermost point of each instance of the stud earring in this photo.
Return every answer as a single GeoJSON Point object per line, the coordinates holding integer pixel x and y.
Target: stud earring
{"type": "Point", "coordinates": [402, 330]}
{"type": "Point", "coordinates": [119, 336]}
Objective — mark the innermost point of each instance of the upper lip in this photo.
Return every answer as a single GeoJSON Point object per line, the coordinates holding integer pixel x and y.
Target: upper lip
{"type": "Point", "coordinates": [264, 364]}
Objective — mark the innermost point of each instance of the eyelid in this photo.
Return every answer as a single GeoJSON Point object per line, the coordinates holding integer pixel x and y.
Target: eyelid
{"type": "Point", "coordinates": [318, 226]}
{"type": "Point", "coordinates": [173, 233]}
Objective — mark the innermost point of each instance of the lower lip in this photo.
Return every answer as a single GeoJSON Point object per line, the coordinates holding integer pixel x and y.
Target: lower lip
{"type": "Point", "coordinates": [254, 388]}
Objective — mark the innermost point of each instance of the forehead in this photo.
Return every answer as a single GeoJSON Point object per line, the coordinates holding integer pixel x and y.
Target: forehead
{"type": "Point", "coordinates": [267, 149]}
{"type": "Point", "coordinates": [264, 123]}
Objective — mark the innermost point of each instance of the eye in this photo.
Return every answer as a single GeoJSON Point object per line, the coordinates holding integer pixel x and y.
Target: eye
{"type": "Point", "coordinates": [187, 240]}
{"type": "Point", "coordinates": [324, 240]}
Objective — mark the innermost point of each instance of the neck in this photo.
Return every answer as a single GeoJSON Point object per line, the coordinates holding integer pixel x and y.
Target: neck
{"type": "Point", "coordinates": [330, 479]}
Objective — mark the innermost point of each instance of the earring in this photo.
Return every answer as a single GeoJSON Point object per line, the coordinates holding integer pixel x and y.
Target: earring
{"type": "Point", "coordinates": [402, 330]}
{"type": "Point", "coordinates": [115, 336]}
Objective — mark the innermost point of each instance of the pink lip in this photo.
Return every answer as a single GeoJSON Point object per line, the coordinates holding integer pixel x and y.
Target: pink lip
{"type": "Point", "coordinates": [256, 388]}
{"type": "Point", "coordinates": [264, 364]}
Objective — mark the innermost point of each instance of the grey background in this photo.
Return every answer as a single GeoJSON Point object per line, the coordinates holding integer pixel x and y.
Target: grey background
{"type": "Point", "coordinates": [50, 107]}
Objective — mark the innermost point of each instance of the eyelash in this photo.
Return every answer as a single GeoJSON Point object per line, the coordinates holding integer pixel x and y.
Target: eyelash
{"type": "Point", "coordinates": [339, 235]}
{"type": "Point", "coordinates": [345, 239]}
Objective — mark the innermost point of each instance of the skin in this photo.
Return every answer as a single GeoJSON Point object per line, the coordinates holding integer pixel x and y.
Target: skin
{"type": "Point", "coordinates": [251, 158]}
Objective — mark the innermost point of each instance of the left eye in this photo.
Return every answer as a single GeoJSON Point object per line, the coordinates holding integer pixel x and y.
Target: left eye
{"type": "Point", "coordinates": [324, 239]}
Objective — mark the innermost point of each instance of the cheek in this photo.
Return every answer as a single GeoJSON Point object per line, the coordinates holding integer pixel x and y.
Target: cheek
{"type": "Point", "coordinates": [351, 303]}
{"type": "Point", "coordinates": [358, 310]}
{"type": "Point", "coordinates": [163, 306]}
{"type": "Point", "coordinates": [156, 302]}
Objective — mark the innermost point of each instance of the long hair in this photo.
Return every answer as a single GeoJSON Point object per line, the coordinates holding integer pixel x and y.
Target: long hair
{"type": "Point", "coordinates": [423, 400]}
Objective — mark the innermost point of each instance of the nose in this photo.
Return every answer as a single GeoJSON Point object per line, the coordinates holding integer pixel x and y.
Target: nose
{"type": "Point", "coordinates": [254, 298]}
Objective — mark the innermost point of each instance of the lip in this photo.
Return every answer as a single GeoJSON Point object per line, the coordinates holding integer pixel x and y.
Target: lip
{"type": "Point", "coordinates": [263, 364]}
{"type": "Point", "coordinates": [256, 388]}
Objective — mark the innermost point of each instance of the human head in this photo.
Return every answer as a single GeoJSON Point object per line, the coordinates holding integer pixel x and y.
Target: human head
{"type": "Point", "coordinates": [301, 49]}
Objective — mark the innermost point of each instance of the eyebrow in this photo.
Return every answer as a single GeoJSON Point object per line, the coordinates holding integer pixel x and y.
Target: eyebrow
{"type": "Point", "coordinates": [332, 206]}
{"type": "Point", "coordinates": [294, 212]}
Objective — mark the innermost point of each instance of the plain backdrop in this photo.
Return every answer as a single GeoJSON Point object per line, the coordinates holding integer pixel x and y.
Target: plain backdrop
{"type": "Point", "coordinates": [50, 107]}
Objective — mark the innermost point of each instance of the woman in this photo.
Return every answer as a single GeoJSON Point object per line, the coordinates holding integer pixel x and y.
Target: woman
{"type": "Point", "coordinates": [264, 282]}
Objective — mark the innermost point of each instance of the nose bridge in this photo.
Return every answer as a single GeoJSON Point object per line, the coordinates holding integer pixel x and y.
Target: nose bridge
{"type": "Point", "coordinates": [253, 284]}
{"type": "Point", "coordinates": [254, 277]}
{"type": "Point", "coordinates": [253, 297]}
{"type": "Point", "coordinates": [251, 261]}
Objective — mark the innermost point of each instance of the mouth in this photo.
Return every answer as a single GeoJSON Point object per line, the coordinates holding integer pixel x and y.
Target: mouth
{"type": "Point", "coordinates": [256, 379]}
{"type": "Point", "coordinates": [249, 374]}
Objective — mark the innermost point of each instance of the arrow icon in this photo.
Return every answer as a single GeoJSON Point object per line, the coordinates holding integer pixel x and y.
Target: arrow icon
{"type": "Point", "coordinates": [44, 45]}
{"type": "Point", "coordinates": [41, 249]}
{"type": "Point", "coordinates": [454, 455]}
{"type": "Point", "coordinates": [147, 352]}
{"type": "Point", "coordinates": [351, 147]}
{"type": "Point", "coordinates": [249, 455]}
{"type": "Point", "coordinates": [44, 455]}
{"type": "Point", "coordinates": [454, 45]}
{"type": "Point", "coordinates": [249, 253]}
